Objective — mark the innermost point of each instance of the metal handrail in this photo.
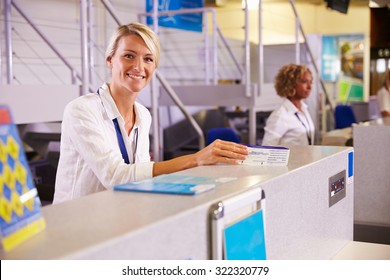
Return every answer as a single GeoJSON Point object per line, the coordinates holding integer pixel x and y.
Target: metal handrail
{"type": "Point", "coordinates": [217, 31]}
{"type": "Point", "coordinates": [181, 106]}
{"type": "Point", "coordinates": [235, 60]}
{"type": "Point", "coordinates": [27, 43]}
{"type": "Point", "coordinates": [8, 42]}
{"type": "Point", "coordinates": [111, 11]}
{"type": "Point", "coordinates": [42, 35]}
{"type": "Point", "coordinates": [206, 58]}
{"type": "Point", "coordinates": [311, 56]}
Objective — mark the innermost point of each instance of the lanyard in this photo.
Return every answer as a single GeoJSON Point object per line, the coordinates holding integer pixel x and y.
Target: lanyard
{"type": "Point", "coordinates": [306, 129]}
{"type": "Point", "coordinates": [122, 146]}
{"type": "Point", "coordinates": [121, 143]}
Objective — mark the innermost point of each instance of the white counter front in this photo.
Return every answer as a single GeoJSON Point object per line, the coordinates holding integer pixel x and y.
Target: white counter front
{"type": "Point", "coordinates": [372, 180]}
{"type": "Point", "coordinates": [299, 221]}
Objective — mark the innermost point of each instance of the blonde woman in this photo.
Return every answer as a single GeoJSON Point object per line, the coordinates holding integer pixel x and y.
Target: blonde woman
{"type": "Point", "coordinates": [105, 135]}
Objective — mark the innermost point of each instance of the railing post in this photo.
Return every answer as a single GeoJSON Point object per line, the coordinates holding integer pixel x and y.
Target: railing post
{"type": "Point", "coordinates": [157, 154]}
{"type": "Point", "coordinates": [84, 47]}
{"type": "Point", "coordinates": [215, 48]}
{"type": "Point", "coordinates": [8, 39]}
{"type": "Point", "coordinates": [206, 48]}
{"type": "Point", "coordinates": [247, 52]}
{"type": "Point", "coordinates": [90, 43]}
{"type": "Point", "coordinates": [297, 47]}
{"type": "Point", "coordinates": [73, 77]}
{"type": "Point", "coordinates": [1, 64]}
{"type": "Point", "coordinates": [260, 50]}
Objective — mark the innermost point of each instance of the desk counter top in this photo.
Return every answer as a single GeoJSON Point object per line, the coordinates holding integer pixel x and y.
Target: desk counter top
{"type": "Point", "coordinates": [364, 251]}
{"type": "Point", "coordinates": [113, 224]}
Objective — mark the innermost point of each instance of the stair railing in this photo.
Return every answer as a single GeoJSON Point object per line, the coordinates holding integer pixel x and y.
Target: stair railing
{"type": "Point", "coordinates": [8, 28]}
{"type": "Point", "coordinates": [327, 98]}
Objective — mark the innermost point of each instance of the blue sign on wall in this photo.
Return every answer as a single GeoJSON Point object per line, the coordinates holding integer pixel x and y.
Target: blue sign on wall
{"type": "Point", "coordinates": [193, 22]}
{"type": "Point", "coordinates": [330, 59]}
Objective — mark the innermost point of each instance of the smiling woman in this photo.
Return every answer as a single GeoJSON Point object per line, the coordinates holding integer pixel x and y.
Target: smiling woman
{"type": "Point", "coordinates": [132, 66]}
{"type": "Point", "coordinates": [105, 135]}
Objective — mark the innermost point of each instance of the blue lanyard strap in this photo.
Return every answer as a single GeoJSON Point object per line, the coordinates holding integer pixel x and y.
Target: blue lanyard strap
{"type": "Point", "coordinates": [122, 146]}
{"type": "Point", "coordinates": [121, 143]}
{"type": "Point", "coordinates": [306, 129]}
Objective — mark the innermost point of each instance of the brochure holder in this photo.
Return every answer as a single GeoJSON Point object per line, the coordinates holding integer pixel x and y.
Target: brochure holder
{"type": "Point", "coordinates": [20, 207]}
{"type": "Point", "coordinates": [237, 227]}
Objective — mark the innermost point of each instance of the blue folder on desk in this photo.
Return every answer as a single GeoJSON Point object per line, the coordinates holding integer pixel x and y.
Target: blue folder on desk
{"type": "Point", "coordinates": [171, 184]}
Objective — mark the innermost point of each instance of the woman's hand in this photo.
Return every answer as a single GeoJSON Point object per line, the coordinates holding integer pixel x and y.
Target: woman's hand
{"type": "Point", "coordinates": [221, 152]}
{"type": "Point", "coordinates": [217, 152]}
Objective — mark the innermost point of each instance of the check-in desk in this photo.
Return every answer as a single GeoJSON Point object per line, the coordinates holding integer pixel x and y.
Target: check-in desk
{"type": "Point", "coordinates": [372, 177]}
{"type": "Point", "coordinates": [337, 137]}
{"type": "Point", "coordinates": [355, 250]}
{"type": "Point", "coordinates": [299, 221]}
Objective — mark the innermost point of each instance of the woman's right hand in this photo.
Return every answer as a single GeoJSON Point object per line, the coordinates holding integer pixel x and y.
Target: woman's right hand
{"type": "Point", "coordinates": [221, 152]}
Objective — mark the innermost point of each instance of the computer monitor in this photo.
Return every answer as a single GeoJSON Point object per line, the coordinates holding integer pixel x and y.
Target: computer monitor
{"type": "Point", "coordinates": [338, 5]}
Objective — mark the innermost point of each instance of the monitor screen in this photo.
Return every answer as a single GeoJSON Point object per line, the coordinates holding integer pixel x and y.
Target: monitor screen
{"type": "Point", "coordinates": [338, 5]}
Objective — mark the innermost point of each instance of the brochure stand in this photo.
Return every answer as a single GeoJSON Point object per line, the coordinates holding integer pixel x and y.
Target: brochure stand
{"type": "Point", "coordinates": [237, 227]}
{"type": "Point", "coordinates": [20, 207]}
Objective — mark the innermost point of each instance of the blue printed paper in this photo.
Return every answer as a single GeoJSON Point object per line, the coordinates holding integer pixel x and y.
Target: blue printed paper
{"type": "Point", "coordinates": [173, 184]}
{"type": "Point", "coordinates": [245, 239]}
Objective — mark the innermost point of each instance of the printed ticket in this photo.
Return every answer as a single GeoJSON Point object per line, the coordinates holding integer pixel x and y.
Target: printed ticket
{"type": "Point", "coordinates": [267, 155]}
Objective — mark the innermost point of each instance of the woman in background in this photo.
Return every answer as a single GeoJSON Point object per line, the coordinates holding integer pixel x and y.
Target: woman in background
{"type": "Point", "coordinates": [105, 135]}
{"type": "Point", "coordinates": [383, 96]}
{"type": "Point", "coordinates": [290, 123]}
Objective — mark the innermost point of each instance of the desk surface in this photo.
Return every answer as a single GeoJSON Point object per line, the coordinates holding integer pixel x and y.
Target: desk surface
{"type": "Point", "coordinates": [364, 251]}
{"type": "Point", "coordinates": [378, 122]}
{"type": "Point", "coordinates": [78, 227]}
{"type": "Point", "coordinates": [337, 137]}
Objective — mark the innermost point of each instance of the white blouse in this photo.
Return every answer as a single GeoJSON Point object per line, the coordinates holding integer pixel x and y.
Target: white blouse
{"type": "Point", "coordinates": [90, 157]}
{"type": "Point", "coordinates": [383, 97]}
{"type": "Point", "coordinates": [288, 126]}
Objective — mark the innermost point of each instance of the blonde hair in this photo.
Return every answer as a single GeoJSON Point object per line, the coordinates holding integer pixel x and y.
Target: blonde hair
{"type": "Point", "coordinates": [146, 33]}
{"type": "Point", "coordinates": [287, 78]}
